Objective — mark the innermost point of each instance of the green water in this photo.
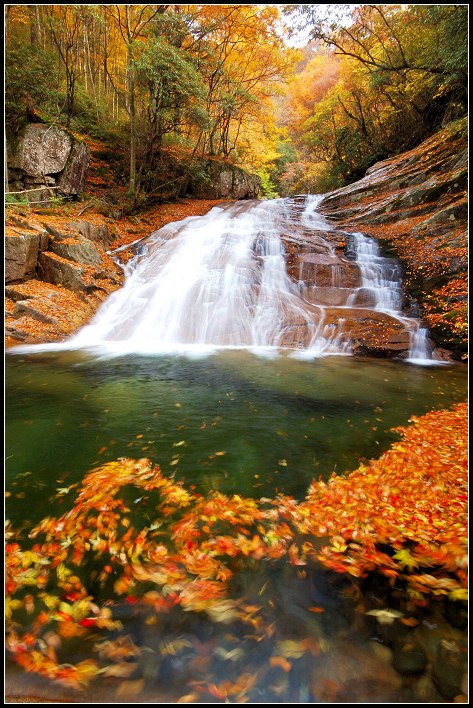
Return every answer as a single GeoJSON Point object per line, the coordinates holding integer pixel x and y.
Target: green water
{"type": "Point", "coordinates": [279, 422]}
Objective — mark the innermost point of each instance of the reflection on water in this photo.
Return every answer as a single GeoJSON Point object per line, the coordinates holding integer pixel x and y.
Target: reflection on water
{"type": "Point", "coordinates": [240, 424]}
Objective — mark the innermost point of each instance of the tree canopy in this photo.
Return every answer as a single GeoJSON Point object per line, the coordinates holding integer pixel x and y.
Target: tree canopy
{"type": "Point", "coordinates": [223, 81]}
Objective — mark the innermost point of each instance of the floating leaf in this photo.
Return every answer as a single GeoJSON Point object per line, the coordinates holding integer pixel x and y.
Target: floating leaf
{"type": "Point", "coordinates": [385, 616]}
{"type": "Point", "coordinates": [281, 662]}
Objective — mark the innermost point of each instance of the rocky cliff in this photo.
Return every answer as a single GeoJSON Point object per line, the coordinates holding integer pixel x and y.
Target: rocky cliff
{"type": "Point", "coordinates": [416, 206]}
{"type": "Point", "coordinates": [46, 162]}
{"type": "Point", "coordinates": [56, 277]}
{"type": "Point", "coordinates": [216, 178]}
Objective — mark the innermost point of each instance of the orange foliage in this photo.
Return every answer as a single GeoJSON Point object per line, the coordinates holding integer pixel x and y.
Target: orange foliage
{"type": "Point", "coordinates": [403, 515]}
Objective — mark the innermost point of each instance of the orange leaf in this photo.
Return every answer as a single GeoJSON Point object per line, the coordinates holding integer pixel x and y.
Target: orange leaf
{"type": "Point", "coordinates": [409, 621]}
{"type": "Point", "coordinates": [281, 662]}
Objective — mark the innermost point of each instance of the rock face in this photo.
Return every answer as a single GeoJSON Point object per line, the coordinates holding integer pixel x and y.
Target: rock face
{"type": "Point", "coordinates": [416, 205]}
{"type": "Point", "coordinates": [47, 162]}
{"type": "Point", "coordinates": [219, 179]}
{"type": "Point", "coordinates": [337, 297]}
{"type": "Point", "coordinates": [55, 277]}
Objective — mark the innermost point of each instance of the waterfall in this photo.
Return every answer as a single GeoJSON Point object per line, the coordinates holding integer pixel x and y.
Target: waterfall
{"type": "Point", "coordinates": [222, 280]}
{"type": "Point", "coordinates": [217, 280]}
{"type": "Point", "coordinates": [380, 276]}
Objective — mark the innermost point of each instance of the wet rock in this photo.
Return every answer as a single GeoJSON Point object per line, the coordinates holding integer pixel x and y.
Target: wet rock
{"type": "Point", "coordinates": [420, 195]}
{"type": "Point", "coordinates": [449, 669]}
{"type": "Point", "coordinates": [370, 332]}
{"type": "Point", "coordinates": [408, 657]}
{"type": "Point", "coordinates": [363, 297]}
{"type": "Point", "coordinates": [311, 271]}
{"type": "Point", "coordinates": [353, 674]}
{"type": "Point", "coordinates": [328, 296]}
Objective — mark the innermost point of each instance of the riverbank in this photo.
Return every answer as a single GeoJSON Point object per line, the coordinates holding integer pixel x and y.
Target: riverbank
{"type": "Point", "coordinates": [70, 311]}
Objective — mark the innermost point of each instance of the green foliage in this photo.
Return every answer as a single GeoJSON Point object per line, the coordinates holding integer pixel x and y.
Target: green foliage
{"type": "Point", "coordinates": [268, 189]}
{"type": "Point", "coordinates": [16, 199]}
{"type": "Point", "coordinates": [29, 77]}
{"type": "Point", "coordinates": [173, 84]}
{"type": "Point", "coordinates": [89, 115]}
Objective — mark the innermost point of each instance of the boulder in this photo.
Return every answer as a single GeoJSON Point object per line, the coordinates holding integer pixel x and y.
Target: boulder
{"type": "Point", "coordinates": [22, 248]}
{"type": "Point", "coordinates": [59, 271]}
{"type": "Point", "coordinates": [71, 181]}
{"type": "Point", "coordinates": [416, 203]}
{"type": "Point", "coordinates": [350, 673]}
{"type": "Point", "coordinates": [100, 233]}
{"type": "Point", "coordinates": [79, 250]}
{"type": "Point", "coordinates": [42, 150]}
{"type": "Point", "coordinates": [43, 312]}
{"type": "Point", "coordinates": [220, 179]}
{"type": "Point", "coordinates": [48, 161]}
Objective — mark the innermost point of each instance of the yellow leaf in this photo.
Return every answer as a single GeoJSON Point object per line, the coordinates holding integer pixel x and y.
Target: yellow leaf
{"type": "Point", "coordinates": [290, 648]}
{"type": "Point", "coordinates": [188, 698]}
{"type": "Point", "coordinates": [458, 594]}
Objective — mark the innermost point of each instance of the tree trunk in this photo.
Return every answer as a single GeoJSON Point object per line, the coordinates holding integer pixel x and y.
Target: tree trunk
{"type": "Point", "coordinates": [131, 102]}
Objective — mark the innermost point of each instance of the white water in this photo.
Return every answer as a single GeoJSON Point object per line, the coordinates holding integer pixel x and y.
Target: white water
{"type": "Point", "coordinates": [217, 280]}
{"type": "Point", "coordinates": [220, 281]}
{"type": "Point", "coordinates": [380, 276]}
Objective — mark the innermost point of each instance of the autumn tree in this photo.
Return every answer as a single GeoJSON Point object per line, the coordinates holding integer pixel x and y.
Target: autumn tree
{"type": "Point", "coordinates": [133, 21]}
{"type": "Point", "coordinates": [241, 54]}
{"type": "Point", "coordinates": [404, 76]}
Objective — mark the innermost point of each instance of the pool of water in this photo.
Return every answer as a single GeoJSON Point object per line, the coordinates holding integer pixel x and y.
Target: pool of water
{"type": "Point", "coordinates": [238, 423]}
{"type": "Point", "coordinates": [233, 421]}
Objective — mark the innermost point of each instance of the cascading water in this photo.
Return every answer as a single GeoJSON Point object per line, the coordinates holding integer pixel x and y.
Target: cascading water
{"type": "Point", "coordinates": [381, 278]}
{"type": "Point", "coordinates": [216, 280]}
{"type": "Point", "coordinates": [221, 280]}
